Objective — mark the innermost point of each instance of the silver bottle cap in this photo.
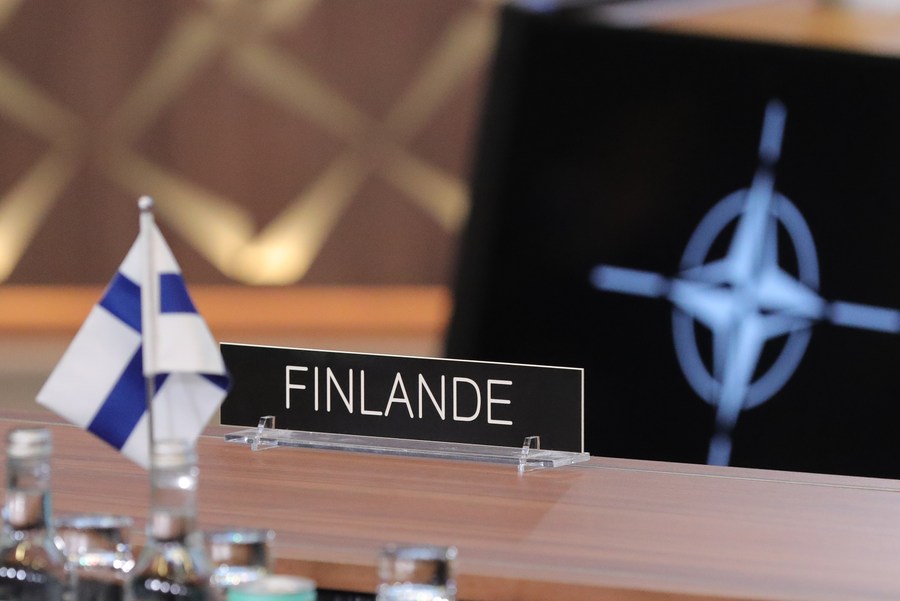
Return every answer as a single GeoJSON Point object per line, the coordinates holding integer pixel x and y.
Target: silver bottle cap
{"type": "Point", "coordinates": [24, 443]}
{"type": "Point", "coordinates": [174, 453]}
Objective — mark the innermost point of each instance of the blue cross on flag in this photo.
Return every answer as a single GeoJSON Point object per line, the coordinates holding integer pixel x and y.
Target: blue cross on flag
{"type": "Point", "coordinates": [99, 384]}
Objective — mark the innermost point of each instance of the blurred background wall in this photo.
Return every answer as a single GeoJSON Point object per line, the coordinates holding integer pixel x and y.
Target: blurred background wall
{"type": "Point", "coordinates": [284, 141]}
{"type": "Point", "coordinates": [308, 160]}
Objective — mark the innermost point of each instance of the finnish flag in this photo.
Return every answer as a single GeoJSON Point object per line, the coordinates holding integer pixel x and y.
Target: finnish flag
{"type": "Point", "coordinates": [99, 384]}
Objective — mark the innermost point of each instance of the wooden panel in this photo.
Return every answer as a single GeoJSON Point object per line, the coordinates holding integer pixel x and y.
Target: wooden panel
{"type": "Point", "coordinates": [607, 529]}
{"type": "Point", "coordinates": [237, 309]}
{"type": "Point", "coordinates": [257, 126]}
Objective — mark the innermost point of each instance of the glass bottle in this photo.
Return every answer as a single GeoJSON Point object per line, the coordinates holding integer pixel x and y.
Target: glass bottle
{"type": "Point", "coordinates": [98, 554]}
{"type": "Point", "coordinates": [417, 573]}
{"type": "Point", "coordinates": [238, 556]}
{"type": "Point", "coordinates": [32, 568]}
{"type": "Point", "coordinates": [173, 564]}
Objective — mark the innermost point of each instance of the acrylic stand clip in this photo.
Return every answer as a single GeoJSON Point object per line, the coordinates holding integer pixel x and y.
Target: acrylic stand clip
{"type": "Point", "coordinates": [529, 457]}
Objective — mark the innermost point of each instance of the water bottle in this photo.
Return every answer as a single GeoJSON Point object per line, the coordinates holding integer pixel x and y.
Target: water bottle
{"type": "Point", "coordinates": [98, 554]}
{"type": "Point", "coordinates": [173, 565]}
{"type": "Point", "coordinates": [32, 568]}
{"type": "Point", "coordinates": [417, 573]}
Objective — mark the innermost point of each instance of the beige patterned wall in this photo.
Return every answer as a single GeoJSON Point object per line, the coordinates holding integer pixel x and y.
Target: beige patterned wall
{"type": "Point", "coordinates": [284, 141]}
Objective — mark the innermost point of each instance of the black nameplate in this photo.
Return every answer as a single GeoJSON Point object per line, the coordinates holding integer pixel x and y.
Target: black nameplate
{"type": "Point", "coordinates": [443, 400]}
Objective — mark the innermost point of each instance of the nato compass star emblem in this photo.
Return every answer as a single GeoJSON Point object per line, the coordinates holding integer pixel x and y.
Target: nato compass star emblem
{"type": "Point", "coordinates": [745, 299]}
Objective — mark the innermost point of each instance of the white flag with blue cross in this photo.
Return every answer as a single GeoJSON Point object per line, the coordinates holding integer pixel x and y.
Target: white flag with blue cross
{"type": "Point", "coordinates": [99, 384]}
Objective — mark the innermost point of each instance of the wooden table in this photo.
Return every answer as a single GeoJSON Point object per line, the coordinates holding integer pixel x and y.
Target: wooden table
{"type": "Point", "coordinates": [604, 529]}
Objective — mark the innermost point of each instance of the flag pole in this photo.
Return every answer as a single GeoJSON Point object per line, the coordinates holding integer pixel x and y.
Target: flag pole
{"type": "Point", "coordinates": [149, 309]}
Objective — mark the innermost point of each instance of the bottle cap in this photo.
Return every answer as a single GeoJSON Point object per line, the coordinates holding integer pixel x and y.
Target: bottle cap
{"type": "Point", "coordinates": [275, 587]}
{"type": "Point", "coordinates": [29, 442]}
{"type": "Point", "coordinates": [173, 453]}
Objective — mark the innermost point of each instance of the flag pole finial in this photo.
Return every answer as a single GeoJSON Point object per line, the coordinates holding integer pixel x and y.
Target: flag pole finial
{"type": "Point", "coordinates": [145, 204]}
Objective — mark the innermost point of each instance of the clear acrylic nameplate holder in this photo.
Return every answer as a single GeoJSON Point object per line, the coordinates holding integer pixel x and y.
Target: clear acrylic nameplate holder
{"type": "Point", "coordinates": [527, 457]}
